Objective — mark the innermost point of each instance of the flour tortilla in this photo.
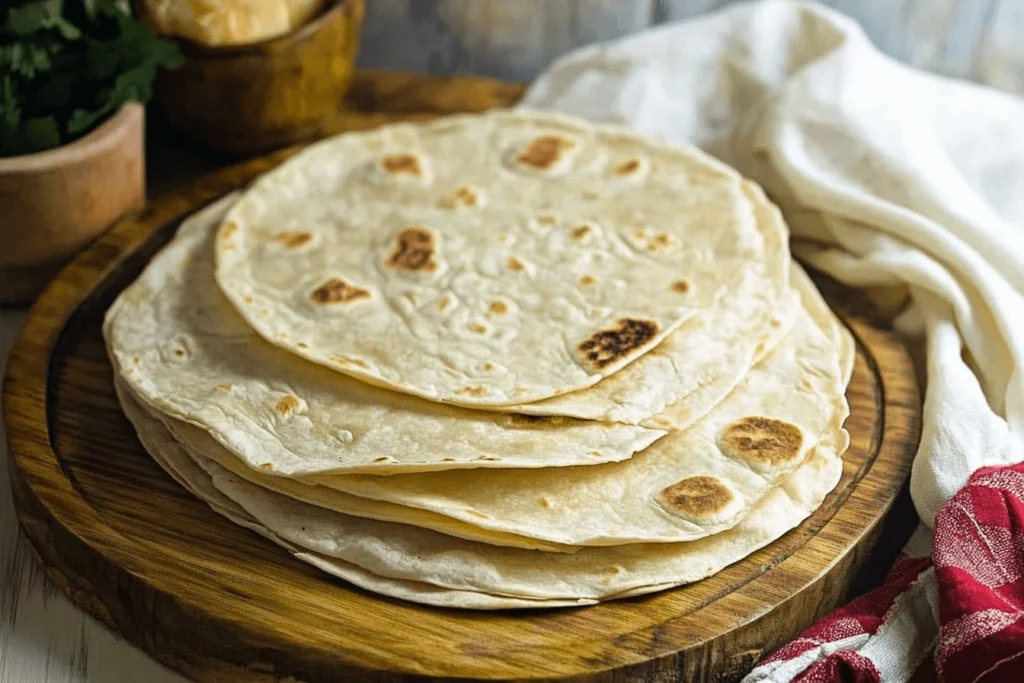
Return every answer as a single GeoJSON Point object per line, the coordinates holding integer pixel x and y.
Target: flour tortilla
{"type": "Point", "coordinates": [431, 568]}
{"type": "Point", "coordinates": [485, 260]}
{"type": "Point", "coordinates": [174, 460]}
{"type": "Point", "coordinates": [183, 350]}
{"type": "Point", "coordinates": [686, 486]}
{"type": "Point", "coordinates": [683, 487]}
{"type": "Point", "coordinates": [402, 552]}
{"type": "Point", "coordinates": [200, 444]}
{"type": "Point", "coordinates": [689, 373]}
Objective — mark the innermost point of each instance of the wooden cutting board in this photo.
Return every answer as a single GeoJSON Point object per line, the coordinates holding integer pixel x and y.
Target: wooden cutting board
{"type": "Point", "coordinates": [221, 604]}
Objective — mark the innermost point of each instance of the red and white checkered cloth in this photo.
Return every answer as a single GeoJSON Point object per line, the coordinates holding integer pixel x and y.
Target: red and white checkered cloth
{"type": "Point", "coordinates": [960, 611]}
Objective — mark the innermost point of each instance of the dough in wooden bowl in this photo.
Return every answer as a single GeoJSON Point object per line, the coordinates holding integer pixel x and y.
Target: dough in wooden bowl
{"type": "Point", "coordinates": [229, 22]}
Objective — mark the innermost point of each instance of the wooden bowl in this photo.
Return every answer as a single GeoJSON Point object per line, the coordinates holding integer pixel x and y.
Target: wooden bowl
{"type": "Point", "coordinates": [248, 99]}
{"type": "Point", "coordinates": [56, 201]}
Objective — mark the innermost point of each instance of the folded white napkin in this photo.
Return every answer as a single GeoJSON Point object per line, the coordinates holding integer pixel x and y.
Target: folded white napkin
{"type": "Point", "coordinates": [889, 177]}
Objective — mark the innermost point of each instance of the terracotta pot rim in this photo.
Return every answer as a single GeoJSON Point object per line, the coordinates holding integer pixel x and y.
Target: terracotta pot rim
{"type": "Point", "coordinates": [192, 49]}
{"type": "Point", "coordinates": [102, 138]}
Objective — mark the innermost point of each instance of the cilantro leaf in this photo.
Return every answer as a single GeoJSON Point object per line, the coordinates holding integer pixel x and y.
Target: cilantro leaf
{"type": "Point", "coordinates": [66, 65]}
{"type": "Point", "coordinates": [39, 16]}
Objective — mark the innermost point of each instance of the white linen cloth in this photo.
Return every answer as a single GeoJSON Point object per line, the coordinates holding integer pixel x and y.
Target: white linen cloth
{"type": "Point", "coordinates": [889, 178]}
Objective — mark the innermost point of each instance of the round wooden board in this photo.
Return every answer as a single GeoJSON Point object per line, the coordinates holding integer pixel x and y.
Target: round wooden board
{"type": "Point", "coordinates": [219, 603]}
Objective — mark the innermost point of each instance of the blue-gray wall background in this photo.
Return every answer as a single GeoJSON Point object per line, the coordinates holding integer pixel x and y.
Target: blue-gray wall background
{"type": "Point", "coordinates": [514, 39]}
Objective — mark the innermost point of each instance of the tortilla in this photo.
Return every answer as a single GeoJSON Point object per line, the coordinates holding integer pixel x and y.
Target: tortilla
{"type": "Point", "coordinates": [684, 486]}
{"type": "Point", "coordinates": [408, 553]}
{"type": "Point", "coordinates": [183, 350]}
{"type": "Point", "coordinates": [200, 444]}
{"type": "Point", "coordinates": [411, 563]}
{"type": "Point", "coordinates": [689, 373]}
{"type": "Point", "coordinates": [485, 260]}
{"type": "Point", "coordinates": [174, 460]}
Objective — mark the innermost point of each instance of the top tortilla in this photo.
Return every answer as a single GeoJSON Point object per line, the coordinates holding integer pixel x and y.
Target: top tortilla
{"type": "Point", "coordinates": [485, 260]}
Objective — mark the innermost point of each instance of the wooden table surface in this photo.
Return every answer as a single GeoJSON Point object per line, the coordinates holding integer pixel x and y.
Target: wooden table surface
{"type": "Point", "coordinates": [45, 639]}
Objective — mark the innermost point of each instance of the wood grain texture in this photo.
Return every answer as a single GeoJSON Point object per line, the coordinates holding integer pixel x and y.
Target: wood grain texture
{"type": "Point", "coordinates": [220, 604]}
{"type": "Point", "coordinates": [977, 39]}
{"type": "Point", "coordinates": [44, 637]}
{"type": "Point", "coordinates": [254, 98]}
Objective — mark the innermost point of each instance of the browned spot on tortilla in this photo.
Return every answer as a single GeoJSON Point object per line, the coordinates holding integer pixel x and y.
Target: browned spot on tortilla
{"type": "Point", "coordinates": [640, 233]}
{"type": "Point", "coordinates": [763, 440]}
{"type": "Point", "coordinates": [337, 291]}
{"type": "Point", "coordinates": [545, 503]}
{"type": "Point", "coordinates": [759, 349]}
{"type": "Point", "coordinates": [477, 514]}
{"type": "Point", "coordinates": [286, 404]}
{"type": "Point", "coordinates": [499, 307]}
{"type": "Point", "coordinates": [776, 323]}
{"type": "Point", "coordinates": [448, 460]}
{"type": "Point", "coordinates": [267, 466]}
{"type": "Point", "coordinates": [806, 384]}
{"type": "Point", "coordinates": [224, 387]}
{"type": "Point", "coordinates": [515, 264]}
{"type": "Point", "coordinates": [414, 251]}
{"type": "Point", "coordinates": [180, 353]}
{"type": "Point", "coordinates": [490, 458]}
{"type": "Point", "coordinates": [596, 454]}
{"type": "Point", "coordinates": [463, 196]}
{"type": "Point", "coordinates": [402, 163]}
{"type": "Point", "coordinates": [302, 345]}
{"type": "Point", "coordinates": [478, 328]}
{"type": "Point", "coordinates": [588, 280]}
{"type": "Point", "coordinates": [612, 344]}
{"type": "Point", "coordinates": [613, 570]}
{"type": "Point", "coordinates": [628, 168]}
{"type": "Point", "coordinates": [488, 367]}
{"type": "Point", "coordinates": [547, 220]}
{"type": "Point", "coordinates": [606, 581]}
{"type": "Point", "coordinates": [658, 241]}
{"type": "Point", "coordinates": [248, 299]}
{"type": "Point", "coordinates": [383, 459]}
{"type": "Point", "coordinates": [293, 240]}
{"type": "Point", "coordinates": [700, 496]}
{"type": "Point", "coordinates": [545, 152]}
{"type": "Point", "coordinates": [681, 286]}
{"type": "Point", "coordinates": [228, 230]}
{"type": "Point", "coordinates": [136, 360]}
{"type": "Point", "coordinates": [472, 391]}
{"type": "Point", "coordinates": [264, 313]}
{"type": "Point", "coordinates": [443, 303]}
{"type": "Point", "coordinates": [345, 360]}
{"type": "Point", "coordinates": [580, 231]}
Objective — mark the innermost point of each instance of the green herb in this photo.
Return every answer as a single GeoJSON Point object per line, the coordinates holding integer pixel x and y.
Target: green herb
{"type": "Point", "coordinates": [67, 66]}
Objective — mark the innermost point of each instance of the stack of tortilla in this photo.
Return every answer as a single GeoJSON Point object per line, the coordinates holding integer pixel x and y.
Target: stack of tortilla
{"type": "Point", "coordinates": [491, 361]}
